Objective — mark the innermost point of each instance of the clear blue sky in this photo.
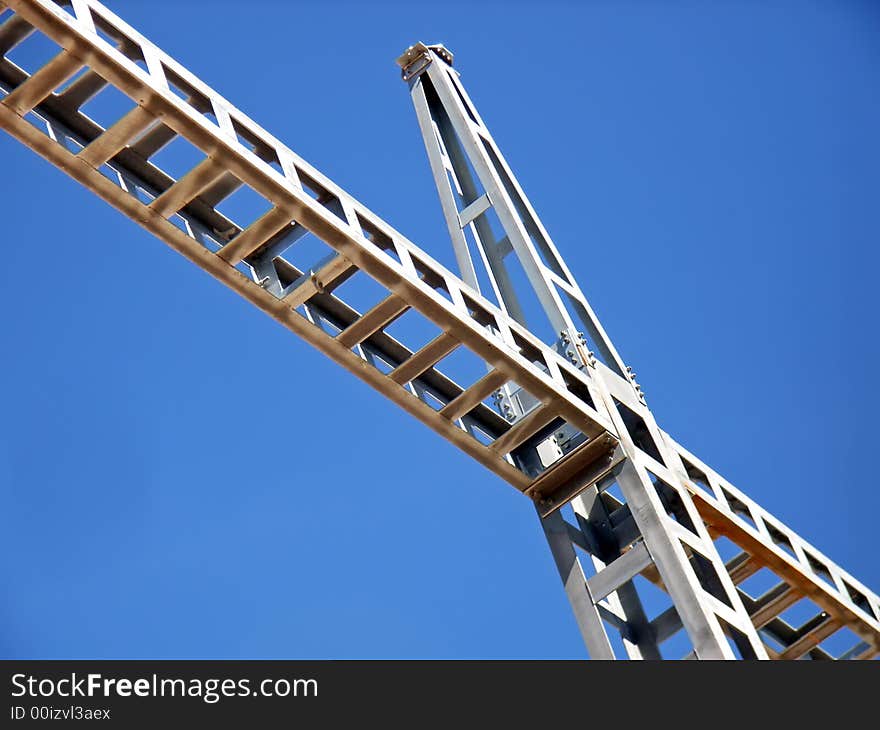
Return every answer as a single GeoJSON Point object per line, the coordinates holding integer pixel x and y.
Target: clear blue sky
{"type": "Point", "coordinates": [181, 477]}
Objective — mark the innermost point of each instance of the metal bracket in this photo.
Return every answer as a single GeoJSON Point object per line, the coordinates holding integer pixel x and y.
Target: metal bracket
{"type": "Point", "coordinates": [415, 59]}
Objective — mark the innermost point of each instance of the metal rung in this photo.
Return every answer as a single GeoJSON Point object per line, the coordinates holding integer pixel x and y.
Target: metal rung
{"type": "Point", "coordinates": [623, 569]}
{"type": "Point", "coordinates": [187, 187]}
{"type": "Point", "coordinates": [523, 429]}
{"type": "Point", "coordinates": [84, 88]}
{"type": "Point", "coordinates": [41, 84]}
{"type": "Point", "coordinates": [153, 141]}
{"type": "Point", "coordinates": [111, 141]}
{"type": "Point", "coordinates": [13, 32]}
{"type": "Point", "coordinates": [741, 567]}
{"type": "Point", "coordinates": [220, 190]}
{"type": "Point", "coordinates": [474, 210]}
{"type": "Point", "coordinates": [378, 317]}
{"type": "Point", "coordinates": [313, 283]}
{"type": "Point", "coordinates": [479, 391]}
{"type": "Point", "coordinates": [254, 236]}
{"type": "Point", "coordinates": [772, 603]}
{"type": "Point", "coordinates": [811, 638]}
{"type": "Point", "coordinates": [429, 355]}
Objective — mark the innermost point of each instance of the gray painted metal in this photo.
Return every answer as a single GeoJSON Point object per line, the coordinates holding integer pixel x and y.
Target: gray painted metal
{"type": "Point", "coordinates": [562, 425]}
{"type": "Point", "coordinates": [673, 543]}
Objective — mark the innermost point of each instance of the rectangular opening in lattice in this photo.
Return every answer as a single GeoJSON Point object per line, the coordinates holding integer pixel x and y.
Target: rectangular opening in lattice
{"type": "Point", "coordinates": [697, 476]}
{"type": "Point", "coordinates": [638, 431]}
{"type": "Point", "coordinates": [302, 250]}
{"type": "Point", "coordinates": [431, 276]}
{"type": "Point", "coordinates": [738, 507]}
{"type": "Point", "coordinates": [377, 237]}
{"type": "Point", "coordinates": [529, 349]}
{"type": "Point", "coordinates": [820, 570]}
{"type": "Point", "coordinates": [413, 330]}
{"type": "Point", "coordinates": [859, 599]}
{"type": "Point", "coordinates": [319, 317]}
{"type": "Point", "coordinates": [672, 503]}
{"type": "Point", "coordinates": [737, 640]}
{"type": "Point", "coordinates": [532, 314]}
{"type": "Point", "coordinates": [614, 630]}
{"type": "Point", "coordinates": [780, 538]}
{"type": "Point", "coordinates": [462, 366]}
{"type": "Point", "coordinates": [477, 311]}
{"type": "Point", "coordinates": [759, 583]}
{"type": "Point", "coordinates": [252, 141]}
{"type": "Point", "coordinates": [706, 574]}
{"type": "Point", "coordinates": [428, 396]}
{"type": "Point", "coordinates": [479, 433]}
{"type": "Point", "coordinates": [612, 489]}
{"type": "Point", "coordinates": [33, 52]}
{"type": "Point", "coordinates": [800, 613]}
{"type": "Point", "coordinates": [578, 388]}
{"type": "Point", "coordinates": [188, 93]}
{"type": "Point", "coordinates": [377, 359]}
{"type": "Point", "coordinates": [672, 639]}
{"type": "Point", "coordinates": [243, 206]}
{"type": "Point", "coordinates": [771, 640]}
{"type": "Point", "coordinates": [484, 279]}
{"type": "Point", "coordinates": [105, 107]}
{"type": "Point", "coordinates": [172, 154]}
{"type": "Point", "coordinates": [119, 40]}
{"type": "Point", "coordinates": [840, 642]}
{"type": "Point", "coordinates": [317, 190]}
{"type": "Point", "coordinates": [726, 548]}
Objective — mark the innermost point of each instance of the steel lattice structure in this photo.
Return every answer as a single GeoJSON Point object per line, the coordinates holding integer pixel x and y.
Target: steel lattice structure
{"type": "Point", "coordinates": [562, 421]}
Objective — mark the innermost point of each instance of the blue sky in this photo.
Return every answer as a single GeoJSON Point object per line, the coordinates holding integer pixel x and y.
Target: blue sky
{"type": "Point", "coordinates": [181, 477]}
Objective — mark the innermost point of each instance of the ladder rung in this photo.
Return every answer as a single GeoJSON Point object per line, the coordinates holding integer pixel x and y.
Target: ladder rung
{"type": "Point", "coordinates": [772, 603]}
{"type": "Point", "coordinates": [523, 429]}
{"type": "Point", "coordinates": [83, 89]}
{"type": "Point", "coordinates": [618, 572]}
{"type": "Point", "coordinates": [425, 358]}
{"type": "Point", "coordinates": [40, 85]}
{"type": "Point", "coordinates": [474, 395]}
{"type": "Point", "coordinates": [153, 141]}
{"type": "Point", "coordinates": [314, 284]}
{"type": "Point", "coordinates": [378, 317]}
{"type": "Point", "coordinates": [254, 236]}
{"type": "Point", "coordinates": [13, 32]}
{"type": "Point", "coordinates": [187, 188]}
{"type": "Point", "coordinates": [811, 638]}
{"type": "Point", "coordinates": [742, 566]}
{"type": "Point", "coordinates": [474, 210]}
{"type": "Point", "coordinates": [108, 144]}
{"type": "Point", "coordinates": [220, 190]}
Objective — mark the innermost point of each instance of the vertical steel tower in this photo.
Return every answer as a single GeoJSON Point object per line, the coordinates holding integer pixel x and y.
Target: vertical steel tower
{"type": "Point", "coordinates": [553, 409]}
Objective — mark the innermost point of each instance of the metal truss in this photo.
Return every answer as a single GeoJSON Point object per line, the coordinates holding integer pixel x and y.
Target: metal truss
{"type": "Point", "coordinates": [556, 421]}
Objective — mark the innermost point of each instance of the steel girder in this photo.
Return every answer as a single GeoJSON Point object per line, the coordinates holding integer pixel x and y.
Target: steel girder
{"type": "Point", "coordinates": [507, 415]}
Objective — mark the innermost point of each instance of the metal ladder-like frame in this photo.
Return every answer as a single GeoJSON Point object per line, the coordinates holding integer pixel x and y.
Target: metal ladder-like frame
{"type": "Point", "coordinates": [510, 413]}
